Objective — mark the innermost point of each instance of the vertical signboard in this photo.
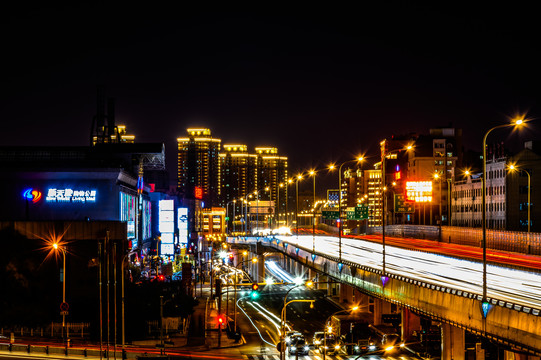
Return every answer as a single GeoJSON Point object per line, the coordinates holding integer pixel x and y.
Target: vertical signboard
{"type": "Point", "coordinates": [183, 225]}
{"type": "Point", "coordinates": [166, 226]}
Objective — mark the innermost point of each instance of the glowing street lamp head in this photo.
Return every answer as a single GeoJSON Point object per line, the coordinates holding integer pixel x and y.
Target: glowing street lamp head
{"type": "Point", "coordinates": [55, 246]}
{"type": "Point", "coordinates": [332, 167]}
{"type": "Point", "coordinates": [299, 177]}
{"type": "Point", "coordinates": [312, 172]}
{"type": "Point", "coordinates": [290, 181]}
{"type": "Point", "coordinates": [467, 173]}
{"type": "Point", "coordinates": [512, 167]}
{"type": "Point", "coordinates": [309, 283]}
{"type": "Point", "coordinates": [298, 281]}
{"type": "Point", "coordinates": [436, 176]}
{"type": "Point", "coordinates": [254, 260]}
{"type": "Point", "coordinates": [360, 158]}
{"type": "Point", "coordinates": [355, 308]}
{"type": "Point", "coordinates": [269, 281]}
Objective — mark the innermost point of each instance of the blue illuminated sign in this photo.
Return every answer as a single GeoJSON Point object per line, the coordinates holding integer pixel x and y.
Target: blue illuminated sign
{"type": "Point", "coordinates": [68, 195]}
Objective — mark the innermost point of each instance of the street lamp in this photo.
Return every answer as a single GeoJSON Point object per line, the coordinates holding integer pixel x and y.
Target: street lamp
{"type": "Point", "coordinates": [325, 328]}
{"type": "Point", "coordinates": [313, 174]}
{"type": "Point", "coordinates": [384, 154]}
{"type": "Point", "coordinates": [277, 212]}
{"type": "Point", "coordinates": [256, 193]}
{"type": "Point", "coordinates": [253, 260]}
{"type": "Point", "coordinates": [360, 159]}
{"type": "Point", "coordinates": [517, 122]}
{"type": "Point", "coordinates": [284, 313]}
{"type": "Point", "coordinates": [299, 177]}
{"type": "Point", "coordinates": [440, 180]}
{"type": "Point", "coordinates": [227, 211]}
{"type": "Point", "coordinates": [514, 168]}
{"type": "Point", "coordinates": [58, 247]}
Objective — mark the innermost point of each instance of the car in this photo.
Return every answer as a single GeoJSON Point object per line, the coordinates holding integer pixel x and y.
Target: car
{"type": "Point", "coordinates": [330, 344]}
{"type": "Point", "coordinates": [364, 345]}
{"type": "Point", "coordinates": [317, 339]}
{"type": "Point", "coordinates": [391, 342]}
{"type": "Point", "coordinates": [298, 346]}
{"type": "Point", "coordinates": [292, 335]}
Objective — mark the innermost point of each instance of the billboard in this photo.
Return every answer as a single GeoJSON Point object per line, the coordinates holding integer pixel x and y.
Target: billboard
{"type": "Point", "coordinates": [182, 225]}
{"type": "Point", "coordinates": [419, 191]}
{"type": "Point", "coordinates": [166, 226]}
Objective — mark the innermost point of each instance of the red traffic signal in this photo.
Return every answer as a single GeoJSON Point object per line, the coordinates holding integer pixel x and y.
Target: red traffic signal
{"type": "Point", "coordinates": [255, 286]}
{"type": "Point", "coordinates": [221, 319]}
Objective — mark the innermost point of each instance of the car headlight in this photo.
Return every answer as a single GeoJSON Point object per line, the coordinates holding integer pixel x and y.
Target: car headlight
{"type": "Point", "coordinates": [317, 342]}
{"type": "Point", "coordinates": [402, 345]}
{"type": "Point", "coordinates": [288, 340]}
{"type": "Point", "coordinates": [337, 347]}
{"type": "Point", "coordinates": [357, 347]}
{"type": "Point", "coordinates": [293, 348]}
{"type": "Point", "coordinates": [306, 348]}
{"type": "Point", "coordinates": [371, 347]}
{"type": "Point", "coordinates": [389, 348]}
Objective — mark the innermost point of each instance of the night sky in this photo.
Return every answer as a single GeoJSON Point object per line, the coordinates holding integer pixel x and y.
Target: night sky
{"type": "Point", "coordinates": [321, 83]}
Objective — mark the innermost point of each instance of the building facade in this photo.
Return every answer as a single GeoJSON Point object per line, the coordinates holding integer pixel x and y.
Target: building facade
{"type": "Point", "coordinates": [198, 165]}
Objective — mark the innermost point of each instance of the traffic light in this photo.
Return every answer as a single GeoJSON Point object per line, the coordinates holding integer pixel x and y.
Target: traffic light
{"type": "Point", "coordinates": [255, 291]}
{"type": "Point", "coordinates": [221, 319]}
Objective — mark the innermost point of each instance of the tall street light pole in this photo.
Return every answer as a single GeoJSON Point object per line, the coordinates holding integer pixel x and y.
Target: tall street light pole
{"type": "Point", "coordinates": [359, 159]}
{"type": "Point", "coordinates": [313, 174]}
{"type": "Point", "coordinates": [299, 178]}
{"type": "Point", "coordinates": [56, 246]}
{"type": "Point", "coordinates": [289, 182]}
{"type": "Point", "coordinates": [438, 178]}
{"type": "Point", "coordinates": [284, 313]}
{"type": "Point", "coordinates": [325, 328]}
{"type": "Point", "coordinates": [514, 168]}
{"type": "Point", "coordinates": [483, 199]}
{"type": "Point", "coordinates": [384, 154]}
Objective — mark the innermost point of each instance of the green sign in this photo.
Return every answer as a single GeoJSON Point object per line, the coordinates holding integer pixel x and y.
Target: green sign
{"type": "Point", "coordinates": [329, 213]}
{"type": "Point", "coordinates": [403, 206]}
{"type": "Point", "coordinates": [359, 212]}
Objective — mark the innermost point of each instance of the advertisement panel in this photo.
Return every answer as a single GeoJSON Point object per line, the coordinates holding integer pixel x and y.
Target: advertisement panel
{"type": "Point", "coordinates": [419, 191]}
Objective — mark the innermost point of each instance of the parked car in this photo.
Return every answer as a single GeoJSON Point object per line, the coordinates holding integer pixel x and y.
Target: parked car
{"type": "Point", "coordinates": [298, 346]}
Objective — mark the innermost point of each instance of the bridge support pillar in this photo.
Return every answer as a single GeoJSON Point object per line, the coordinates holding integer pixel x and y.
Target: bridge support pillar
{"type": "Point", "coordinates": [410, 322]}
{"type": "Point", "coordinates": [380, 307]}
{"type": "Point", "coordinates": [452, 343]}
{"type": "Point", "coordinates": [322, 283]}
{"type": "Point", "coordinates": [260, 268]}
{"type": "Point", "coordinates": [509, 355]}
{"type": "Point", "coordinates": [346, 293]}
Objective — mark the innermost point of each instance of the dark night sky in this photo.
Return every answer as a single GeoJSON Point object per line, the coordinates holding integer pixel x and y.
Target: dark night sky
{"type": "Point", "coordinates": [320, 83]}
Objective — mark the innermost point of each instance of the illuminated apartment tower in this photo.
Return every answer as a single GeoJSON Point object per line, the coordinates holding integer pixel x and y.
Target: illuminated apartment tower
{"type": "Point", "coordinates": [271, 170]}
{"type": "Point", "coordinates": [237, 174]}
{"type": "Point", "coordinates": [198, 165]}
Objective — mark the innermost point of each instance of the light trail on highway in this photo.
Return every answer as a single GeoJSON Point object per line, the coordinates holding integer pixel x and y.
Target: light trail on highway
{"type": "Point", "coordinates": [520, 287]}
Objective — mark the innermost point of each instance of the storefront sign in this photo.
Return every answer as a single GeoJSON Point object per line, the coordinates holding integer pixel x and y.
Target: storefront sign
{"type": "Point", "coordinates": [68, 195]}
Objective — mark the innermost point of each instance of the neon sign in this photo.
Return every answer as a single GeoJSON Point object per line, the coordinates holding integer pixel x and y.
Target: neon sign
{"type": "Point", "coordinates": [32, 194]}
{"type": "Point", "coordinates": [70, 196]}
{"type": "Point", "coordinates": [198, 192]}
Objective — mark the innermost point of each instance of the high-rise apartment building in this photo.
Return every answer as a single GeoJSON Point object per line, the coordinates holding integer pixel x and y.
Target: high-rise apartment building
{"type": "Point", "coordinates": [198, 165]}
{"type": "Point", "coordinates": [271, 170]}
{"type": "Point", "coordinates": [237, 174]}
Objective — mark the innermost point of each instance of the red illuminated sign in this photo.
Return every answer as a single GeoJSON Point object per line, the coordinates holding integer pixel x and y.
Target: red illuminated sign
{"type": "Point", "coordinates": [198, 192]}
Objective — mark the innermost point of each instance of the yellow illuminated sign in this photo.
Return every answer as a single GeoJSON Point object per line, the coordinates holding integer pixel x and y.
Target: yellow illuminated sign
{"type": "Point", "coordinates": [419, 191]}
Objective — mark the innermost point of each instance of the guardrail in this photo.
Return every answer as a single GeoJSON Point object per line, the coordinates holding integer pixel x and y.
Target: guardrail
{"type": "Point", "coordinates": [66, 350]}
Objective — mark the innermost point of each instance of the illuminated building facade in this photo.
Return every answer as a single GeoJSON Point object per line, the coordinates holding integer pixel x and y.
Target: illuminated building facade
{"type": "Point", "coordinates": [271, 170]}
{"type": "Point", "coordinates": [118, 135]}
{"type": "Point", "coordinates": [237, 175]}
{"type": "Point", "coordinates": [198, 165]}
{"type": "Point", "coordinates": [438, 153]}
{"type": "Point", "coordinates": [213, 221]}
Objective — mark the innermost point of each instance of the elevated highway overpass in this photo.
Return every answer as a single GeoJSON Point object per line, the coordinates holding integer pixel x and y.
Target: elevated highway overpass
{"type": "Point", "coordinates": [440, 282]}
